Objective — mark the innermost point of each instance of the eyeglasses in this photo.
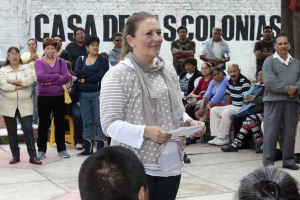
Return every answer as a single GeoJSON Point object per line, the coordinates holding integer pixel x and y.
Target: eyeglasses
{"type": "Point", "coordinates": [118, 40]}
{"type": "Point", "coordinates": [13, 55]}
{"type": "Point", "coordinates": [79, 34]}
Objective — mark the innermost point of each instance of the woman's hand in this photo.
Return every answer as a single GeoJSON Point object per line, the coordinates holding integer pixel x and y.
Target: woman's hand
{"type": "Point", "coordinates": [33, 56]}
{"type": "Point", "coordinates": [193, 103]}
{"type": "Point", "coordinates": [201, 111]}
{"type": "Point", "coordinates": [19, 87]}
{"type": "Point", "coordinates": [157, 134]}
{"type": "Point", "coordinates": [197, 123]}
{"type": "Point", "coordinates": [81, 80]}
{"type": "Point", "coordinates": [249, 98]}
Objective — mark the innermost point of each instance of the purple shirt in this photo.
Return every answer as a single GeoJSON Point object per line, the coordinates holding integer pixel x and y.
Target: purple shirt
{"type": "Point", "coordinates": [47, 74]}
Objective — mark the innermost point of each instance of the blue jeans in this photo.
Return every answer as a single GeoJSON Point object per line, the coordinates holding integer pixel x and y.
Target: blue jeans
{"type": "Point", "coordinates": [90, 112]}
{"type": "Point", "coordinates": [75, 113]}
{"type": "Point", "coordinates": [34, 95]}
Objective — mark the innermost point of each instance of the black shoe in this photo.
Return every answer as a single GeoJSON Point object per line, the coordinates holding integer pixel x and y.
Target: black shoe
{"type": "Point", "coordinates": [259, 148]}
{"type": "Point", "coordinates": [292, 167]}
{"type": "Point", "coordinates": [230, 148]}
{"type": "Point", "coordinates": [278, 155]}
{"type": "Point", "coordinates": [100, 144]}
{"type": "Point", "coordinates": [88, 148]}
{"type": "Point", "coordinates": [297, 159]}
{"type": "Point", "coordinates": [186, 159]}
{"type": "Point", "coordinates": [190, 141]}
{"type": "Point", "coordinates": [244, 146]}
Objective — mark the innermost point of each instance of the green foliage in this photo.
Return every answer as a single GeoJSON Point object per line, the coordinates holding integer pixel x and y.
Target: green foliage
{"type": "Point", "coordinates": [4, 140]}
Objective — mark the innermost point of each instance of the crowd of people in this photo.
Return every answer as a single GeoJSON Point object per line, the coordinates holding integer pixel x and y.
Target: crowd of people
{"type": "Point", "coordinates": [136, 98]}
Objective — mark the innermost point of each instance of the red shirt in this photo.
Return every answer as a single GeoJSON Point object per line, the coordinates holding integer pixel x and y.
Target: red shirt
{"type": "Point", "coordinates": [201, 88]}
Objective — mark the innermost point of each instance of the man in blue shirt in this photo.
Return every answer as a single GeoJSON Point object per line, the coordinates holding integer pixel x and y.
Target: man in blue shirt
{"type": "Point", "coordinates": [114, 54]}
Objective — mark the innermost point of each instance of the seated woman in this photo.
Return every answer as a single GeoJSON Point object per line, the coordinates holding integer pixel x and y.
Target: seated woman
{"type": "Point", "coordinates": [73, 109]}
{"type": "Point", "coordinates": [200, 90]}
{"type": "Point", "coordinates": [254, 120]}
{"type": "Point", "coordinates": [188, 80]}
{"type": "Point", "coordinates": [215, 94]}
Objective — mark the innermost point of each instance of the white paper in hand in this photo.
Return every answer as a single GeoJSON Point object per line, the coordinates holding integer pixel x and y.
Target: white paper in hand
{"type": "Point", "coordinates": [187, 131]}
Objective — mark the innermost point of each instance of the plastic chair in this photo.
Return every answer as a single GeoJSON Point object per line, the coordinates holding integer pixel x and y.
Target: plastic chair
{"type": "Point", "coordinates": [68, 137]}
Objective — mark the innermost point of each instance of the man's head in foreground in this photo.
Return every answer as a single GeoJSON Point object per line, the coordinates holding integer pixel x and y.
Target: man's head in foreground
{"type": "Point", "coordinates": [113, 173]}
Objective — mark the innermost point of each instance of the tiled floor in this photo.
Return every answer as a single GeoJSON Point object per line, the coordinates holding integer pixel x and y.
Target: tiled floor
{"type": "Point", "coordinates": [212, 174]}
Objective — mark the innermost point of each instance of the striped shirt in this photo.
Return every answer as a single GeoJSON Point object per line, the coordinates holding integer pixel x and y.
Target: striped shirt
{"type": "Point", "coordinates": [236, 91]}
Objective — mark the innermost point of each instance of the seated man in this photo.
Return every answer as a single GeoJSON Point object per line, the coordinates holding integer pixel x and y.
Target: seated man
{"type": "Point", "coordinates": [268, 183]}
{"type": "Point", "coordinates": [253, 121]}
{"type": "Point", "coordinates": [220, 117]}
{"type": "Point", "coordinates": [113, 173]}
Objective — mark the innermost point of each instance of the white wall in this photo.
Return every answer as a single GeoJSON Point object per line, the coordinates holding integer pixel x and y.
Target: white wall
{"type": "Point", "coordinates": [19, 21]}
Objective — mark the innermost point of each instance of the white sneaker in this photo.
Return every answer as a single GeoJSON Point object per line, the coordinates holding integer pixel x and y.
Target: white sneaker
{"type": "Point", "coordinates": [35, 126]}
{"type": "Point", "coordinates": [221, 142]}
{"type": "Point", "coordinates": [212, 141]}
{"type": "Point", "coordinates": [19, 127]}
{"type": "Point", "coordinates": [78, 146]}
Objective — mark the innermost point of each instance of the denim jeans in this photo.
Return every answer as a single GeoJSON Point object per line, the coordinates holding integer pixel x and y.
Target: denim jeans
{"type": "Point", "coordinates": [90, 112]}
{"type": "Point", "coordinates": [34, 95]}
{"type": "Point", "coordinates": [75, 113]}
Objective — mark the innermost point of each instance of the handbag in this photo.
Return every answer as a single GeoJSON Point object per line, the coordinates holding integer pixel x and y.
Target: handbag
{"type": "Point", "coordinates": [74, 93]}
{"type": "Point", "coordinates": [67, 96]}
{"type": "Point", "coordinates": [246, 109]}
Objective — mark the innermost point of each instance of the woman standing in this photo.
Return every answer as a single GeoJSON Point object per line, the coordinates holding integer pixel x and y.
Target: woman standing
{"type": "Point", "coordinates": [51, 73]}
{"type": "Point", "coordinates": [15, 79]}
{"type": "Point", "coordinates": [141, 103]}
{"type": "Point", "coordinates": [90, 70]}
{"type": "Point", "coordinates": [29, 58]}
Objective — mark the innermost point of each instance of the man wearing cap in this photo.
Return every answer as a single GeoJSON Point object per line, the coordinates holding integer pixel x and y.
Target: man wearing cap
{"type": "Point", "coordinates": [264, 48]}
{"type": "Point", "coordinates": [216, 50]}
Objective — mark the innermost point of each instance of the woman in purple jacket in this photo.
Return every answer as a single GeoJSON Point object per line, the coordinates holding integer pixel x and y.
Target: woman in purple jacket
{"type": "Point", "coordinates": [51, 73]}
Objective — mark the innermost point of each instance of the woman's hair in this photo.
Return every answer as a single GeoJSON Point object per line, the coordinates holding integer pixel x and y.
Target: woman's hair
{"type": "Point", "coordinates": [33, 39]}
{"type": "Point", "coordinates": [8, 51]}
{"type": "Point", "coordinates": [104, 54]}
{"type": "Point", "coordinates": [209, 65]}
{"type": "Point", "coordinates": [131, 27]}
{"type": "Point", "coordinates": [191, 60]}
{"type": "Point", "coordinates": [49, 41]}
{"type": "Point", "coordinates": [268, 183]}
{"type": "Point", "coordinates": [69, 65]}
{"type": "Point", "coordinates": [217, 69]}
{"type": "Point", "coordinates": [91, 38]}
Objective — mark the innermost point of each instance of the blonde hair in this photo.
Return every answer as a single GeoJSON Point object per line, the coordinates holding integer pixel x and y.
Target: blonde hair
{"type": "Point", "coordinates": [130, 28]}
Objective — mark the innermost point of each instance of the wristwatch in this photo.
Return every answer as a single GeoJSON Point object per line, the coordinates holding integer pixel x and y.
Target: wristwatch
{"type": "Point", "coordinates": [12, 82]}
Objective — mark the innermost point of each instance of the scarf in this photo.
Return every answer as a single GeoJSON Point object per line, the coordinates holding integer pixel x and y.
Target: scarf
{"type": "Point", "coordinates": [149, 102]}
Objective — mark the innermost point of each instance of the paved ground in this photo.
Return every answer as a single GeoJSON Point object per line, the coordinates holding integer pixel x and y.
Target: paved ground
{"type": "Point", "coordinates": [212, 174]}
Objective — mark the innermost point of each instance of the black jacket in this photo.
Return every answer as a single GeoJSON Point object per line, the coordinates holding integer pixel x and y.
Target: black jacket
{"type": "Point", "coordinates": [191, 80]}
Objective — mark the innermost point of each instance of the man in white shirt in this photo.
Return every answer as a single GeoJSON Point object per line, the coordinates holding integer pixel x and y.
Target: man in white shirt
{"type": "Point", "coordinates": [216, 50]}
